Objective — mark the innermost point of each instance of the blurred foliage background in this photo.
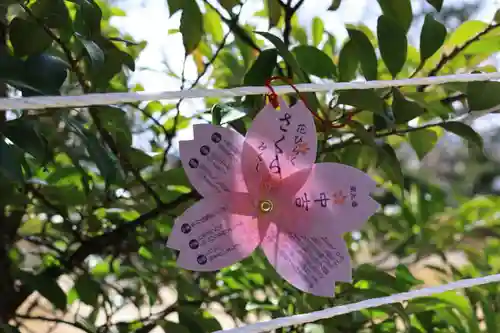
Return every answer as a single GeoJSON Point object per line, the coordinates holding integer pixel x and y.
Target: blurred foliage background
{"type": "Point", "coordinates": [85, 213]}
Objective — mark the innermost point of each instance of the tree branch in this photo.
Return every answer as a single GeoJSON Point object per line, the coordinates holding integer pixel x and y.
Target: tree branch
{"type": "Point", "coordinates": [456, 51]}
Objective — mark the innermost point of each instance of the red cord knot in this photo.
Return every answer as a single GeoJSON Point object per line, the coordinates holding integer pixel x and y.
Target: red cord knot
{"type": "Point", "coordinates": [273, 99]}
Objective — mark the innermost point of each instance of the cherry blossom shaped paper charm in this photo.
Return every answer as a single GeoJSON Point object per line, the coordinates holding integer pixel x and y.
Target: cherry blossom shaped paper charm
{"type": "Point", "coordinates": [265, 190]}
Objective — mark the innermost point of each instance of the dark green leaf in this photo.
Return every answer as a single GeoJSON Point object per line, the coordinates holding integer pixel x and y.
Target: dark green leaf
{"type": "Point", "coordinates": [366, 99]}
{"type": "Point", "coordinates": [274, 9]}
{"type": "Point", "coordinates": [197, 320]}
{"type": "Point", "coordinates": [88, 19]}
{"type": "Point", "coordinates": [403, 109]}
{"type": "Point", "coordinates": [348, 61]}
{"type": "Point", "coordinates": [335, 5]}
{"type": "Point", "coordinates": [315, 62]}
{"type": "Point", "coordinates": [174, 6]}
{"type": "Point", "coordinates": [438, 4]}
{"type": "Point", "coordinates": [227, 4]}
{"type": "Point", "coordinates": [404, 274]}
{"type": "Point", "coordinates": [464, 131]}
{"type": "Point", "coordinates": [483, 95]}
{"type": "Point", "coordinates": [114, 120]}
{"type": "Point", "coordinates": [318, 29]}
{"type": "Point", "coordinates": [45, 73]}
{"type": "Point", "coordinates": [171, 327]}
{"type": "Point", "coordinates": [432, 37]}
{"type": "Point", "coordinates": [398, 10]}
{"type": "Point", "coordinates": [53, 13]}
{"type": "Point", "coordinates": [191, 26]}
{"type": "Point", "coordinates": [88, 290]}
{"type": "Point", "coordinates": [393, 44]}
{"type": "Point", "coordinates": [422, 141]}
{"type": "Point", "coordinates": [106, 162]}
{"type": "Point", "coordinates": [5, 328]}
{"type": "Point", "coordinates": [216, 114]}
{"type": "Point", "coordinates": [365, 136]}
{"type": "Point", "coordinates": [28, 37]}
{"type": "Point", "coordinates": [365, 52]}
{"type": "Point", "coordinates": [10, 162]}
{"type": "Point", "coordinates": [95, 54]}
{"type": "Point", "coordinates": [262, 68]}
{"type": "Point", "coordinates": [311, 99]}
{"type": "Point", "coordinates": [47, 287]}
{"type": "Point", "coordinates": [25, 134]}
{"type": "Point", "coordinates": [283, 51]}
{"type": "Point", "coordinates": [389, 162]}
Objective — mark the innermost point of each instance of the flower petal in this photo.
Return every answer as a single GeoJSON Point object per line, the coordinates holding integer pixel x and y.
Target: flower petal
{"type": "Point", "coordinates": [312, 263]}
{"type": "Point", "coordinates": [215, 232]}
{"type": "Point", "coordinates": [279, 141]}
{"type": "Point", "coordinates": [333, 194]}
{"type": "Point", "coordinates": [212, 159]}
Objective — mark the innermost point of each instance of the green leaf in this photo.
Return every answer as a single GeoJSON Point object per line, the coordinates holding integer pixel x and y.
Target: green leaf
{"type": "Point", "coordinates": [47, 286]}
{"type": "Point", "coordinates": [94, 53]}
{"type": "Point", "coordinates": [197, 320]}
{"type": "Point", "coordinates": [28, 37]}
{"type": "Point", "coordinates": [348, 61]}
{"type": "Point", "coordinates": [191, 26]}
{"type": "Point", "coordinates": [216, 114]}
{"type": "Point", "coordinates": [366, 137]}
{"type": "Point", "coordinates": [169, 326]}
{"type": "Point", "coordinates": [365, 53]}
{"type": "Point", "coordinates": [262, 68]}
{"type": "Point", "coordinates": [274, 10]}
{"type": "Point", "coordinates": [366, 99]}
{"type": "Point", "coordinates": [25, 134]}
{"type": "Point", "coordinates": [398, 10]}
{"type": "Point", "coordinates": [213, 25]}
{"type": "Point", "coordinates": [311, 98]}
{"type": "Point", "coordinates": [10, 162]}
{"type": "Point", "coordinates": [283, 51]}
{"type": "Point", "coordinates": [403, 109]}
{"type": "Point", "coordinates": [335, 5]}
{"type": "Point", "coordinates": [315, 62]}
{"type": "Point", "coordinates": [55, 15]}
{"type": "Point", "coordinates": [88, 19]}
{"type": "Point", "coordinates": [392, 43]}
{"type": "Point", "coordinates": [438, 4]}
{"type": "Point", "coordinates": [5, 328]}
{"type": "Point", "coordinates": [389, 162]}
{"type": "Point", "coordinates": [45, 73]}
{"type": "Point", "coordinates": [432, 37]}
{"type": "Point", "coordinates": [403, 274]}
{"type": "Point", "coordinates": [174, 6]}
{"type": "Point", "coordinates": [114, 120]}
{"type": "Point", "coordinates": [106, 162]}
{"type": "Point", "coordinates": [227, 4]}
{"type": "Point", "coordinates": [88, 289]}
{"type": "Point", "coordinates": [483, 95]}
{"type": "Point", "coordinates": [318, 29]}
{"type": "Point", "coordinates": [423, 141]}
{"type": "Point", "coordinates": [464, 131]}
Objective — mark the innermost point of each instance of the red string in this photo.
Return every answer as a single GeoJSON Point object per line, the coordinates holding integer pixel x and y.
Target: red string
{"type": "Point", "coordinates": [273, 99]}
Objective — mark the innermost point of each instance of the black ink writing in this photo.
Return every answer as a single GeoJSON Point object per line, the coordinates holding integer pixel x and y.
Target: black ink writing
{"type": "Point", "coordinates": [303, 202]}
{"type": "Point", "coordinates": [323, 199]}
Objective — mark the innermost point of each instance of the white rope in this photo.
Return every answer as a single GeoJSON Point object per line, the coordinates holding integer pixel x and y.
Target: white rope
{"type": "Point", "coordinates": [42, 102]}
{"type": "Point", "coordinates": [370, 303]}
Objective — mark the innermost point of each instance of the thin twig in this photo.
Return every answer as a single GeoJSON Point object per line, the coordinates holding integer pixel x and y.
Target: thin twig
{"type": "Point", "coordinates": [456, 51]}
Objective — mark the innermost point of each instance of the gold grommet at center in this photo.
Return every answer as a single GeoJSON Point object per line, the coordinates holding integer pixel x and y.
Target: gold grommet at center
{"type": "Point", "coordinates": [266, 206]}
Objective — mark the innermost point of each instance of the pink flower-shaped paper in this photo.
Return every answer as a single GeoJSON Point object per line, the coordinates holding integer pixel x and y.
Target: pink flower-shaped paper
{"type": "Point", "coordinates": [265, 189]}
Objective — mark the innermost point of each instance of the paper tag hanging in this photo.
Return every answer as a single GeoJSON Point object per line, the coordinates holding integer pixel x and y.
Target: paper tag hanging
{"type": "Point", "coordinates": [265, 190]}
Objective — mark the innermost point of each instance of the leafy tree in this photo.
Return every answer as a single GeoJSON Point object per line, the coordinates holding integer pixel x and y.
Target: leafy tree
{"type": "Point", "coordinates": [80, 198]}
